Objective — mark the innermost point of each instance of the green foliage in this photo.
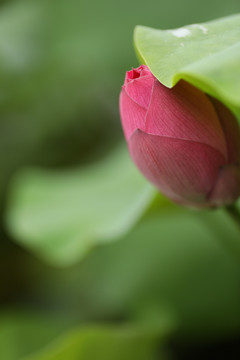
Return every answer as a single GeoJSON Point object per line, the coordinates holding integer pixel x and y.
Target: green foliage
{"type": "Point", "coordinates": [159, 281]}
{"type": "Point", "coordinates": [175, 264]}
{"type": "Point", "coordinates": [206, 55]}
{"type": "Point", "coordinates": [42, 337]}
{"type": "Point", "coordinates": [62, 214]}
{"type": "Point", "coordinates": [102, 342]}
{"type": "Point", "coordinates": [24, 332]}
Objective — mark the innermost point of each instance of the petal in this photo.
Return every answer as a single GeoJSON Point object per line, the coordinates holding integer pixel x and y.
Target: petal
{"type": "Point", "coordinates": [184, 112]}
{"type": "Point", "coordinates": [182, 170]}
{"type": "Point", "coordinates": [231, 130]}
{"type": "Point", "coordinates": [140, 90]}
{"type": "Point", "coordinates": [132, 114]}
{"type": "Point", "coordinates": [227, 188]}
{"type": "Point", "coordinates": [142, 70]}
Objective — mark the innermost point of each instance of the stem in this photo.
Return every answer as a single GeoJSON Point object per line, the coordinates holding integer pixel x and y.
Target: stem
{"type": "Point", "coordinates": [229, 239]}
{"type": "Point", "coordinates": [230, 243]}
{"type": "Point", "coordinates": [234, 213]}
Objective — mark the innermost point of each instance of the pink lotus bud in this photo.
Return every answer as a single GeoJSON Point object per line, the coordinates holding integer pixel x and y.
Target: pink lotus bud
{"type": "Point", "coordinates": [183, 141]}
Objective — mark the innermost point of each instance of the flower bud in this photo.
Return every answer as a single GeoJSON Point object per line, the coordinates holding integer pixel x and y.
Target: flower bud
{"type": "Point", "coordinates": [183, 141]}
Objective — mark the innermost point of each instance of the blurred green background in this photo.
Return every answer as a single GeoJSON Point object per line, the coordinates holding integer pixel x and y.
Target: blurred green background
{"type": "Point", "coordinates": [168, 288]}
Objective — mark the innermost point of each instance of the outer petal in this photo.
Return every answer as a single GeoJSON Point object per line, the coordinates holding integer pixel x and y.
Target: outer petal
{"type": "Point", "coordinates": [184, 112]}
{"type": "Point", "coordinates": [182, 170]}
{"type": "Point", "coordinates": [231, 131]}
{"type": "Point", "coordinates": [227, 188]}
{"type": "Point", "coordinates": [140, 90]}
{"type": "Point", "coordinates": [132, 114]}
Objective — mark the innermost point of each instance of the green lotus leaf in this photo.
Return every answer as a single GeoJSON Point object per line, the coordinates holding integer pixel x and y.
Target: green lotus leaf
{"type": "Point", "coordinates": [62, 214]}
{"type": "Point", "coordinates": [206, 55]}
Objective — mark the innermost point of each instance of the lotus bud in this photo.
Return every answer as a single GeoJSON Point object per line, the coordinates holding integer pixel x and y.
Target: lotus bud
{"type": "Point", "coordinates": [183, 141]}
